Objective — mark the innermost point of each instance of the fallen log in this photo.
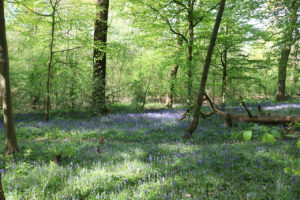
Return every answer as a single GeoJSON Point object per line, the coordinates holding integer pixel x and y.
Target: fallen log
{"type": "Point", "coordinates": [254, 119]}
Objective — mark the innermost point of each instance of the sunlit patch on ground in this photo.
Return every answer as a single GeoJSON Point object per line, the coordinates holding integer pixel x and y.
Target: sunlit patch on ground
{"type": "Point", "coordinates": [144, 157]}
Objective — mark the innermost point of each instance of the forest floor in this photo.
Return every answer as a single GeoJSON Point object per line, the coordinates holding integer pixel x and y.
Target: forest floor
{"type": "Point", "coordinates": [144, 157]}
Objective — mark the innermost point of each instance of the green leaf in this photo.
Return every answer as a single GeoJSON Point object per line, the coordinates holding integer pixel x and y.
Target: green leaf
{"type": "Point", "coordinates": [288, 170]}
{"type": "Point", "coordinates": [276, 133]}
{"type": "Point", "coordinates": [247, 135]}
{"type": "Point", "coordinates": [268, 138]}
{"type": "Point", "coordinates": [298, 144]}
{"type": "Point", "coordinates": [265, 128]}
{"type": "Point", "coordinates": [297, 125]}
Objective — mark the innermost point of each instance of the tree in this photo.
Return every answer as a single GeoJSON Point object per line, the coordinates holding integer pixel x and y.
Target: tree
{"type": "Point", "coordinates": [182, 19]}
{"type": "Point", "coordinates": [2, 197]}
{"type": "Point", "coordinates": [173, 74]}
{"type": "Point", "coordinates": [11, 140]}
{"type": "Point", "coordinates": [199, 102]}
{"type": "Point", "coordinates": [290, 28]}
{"type": "Point", "coordinates": [51, 53]}
{"type": "Point", "coordinates": [100, 40]}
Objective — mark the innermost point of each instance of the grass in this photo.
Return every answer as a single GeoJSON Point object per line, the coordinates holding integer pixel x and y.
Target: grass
{"type": "Point", "coordinates": [144, 157]}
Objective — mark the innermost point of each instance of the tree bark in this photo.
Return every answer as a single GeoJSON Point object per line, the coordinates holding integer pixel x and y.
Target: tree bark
{"type": "Point", "coordinates": [50, 63]}
{"type": "Point", "coordinates": [213, 39]}
{"type": "Point", "coordinates": [190, 50]}
{"type": "Point", "coordinates": [224, 73]}
{"type": "Point", "coordinates": [294, 78]}
{"type": "Point", "coordinates": [2, 197]}
{"type": "Point", "coordinates": [170, 97]}
{"type": "Point", "coordinates": [285, 52]}
{"type": "Point", "coordinates": [146, 93]}
{"type": "Point", "coordinates": [100, 40]}
{"type": "Point", "coordinates": [11, 141]}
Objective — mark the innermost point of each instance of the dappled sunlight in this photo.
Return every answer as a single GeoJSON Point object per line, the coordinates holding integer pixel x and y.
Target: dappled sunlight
{"type": "Point", "coordinates": [144, 157]}
{"type": "Point", "coordinates": [280, 107]}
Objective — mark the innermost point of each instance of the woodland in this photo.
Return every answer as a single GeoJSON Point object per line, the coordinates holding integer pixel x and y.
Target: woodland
{"type": "Point", "coordinates": [149, 99]}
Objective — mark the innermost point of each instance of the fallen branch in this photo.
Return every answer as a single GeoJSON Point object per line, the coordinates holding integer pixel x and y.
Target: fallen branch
{"type": "Point", "coordinates": [188, 110]}
{"type": "Point", "coordinates": [245, 107]}
{"type": "Point", "coordinates": [258, 119]}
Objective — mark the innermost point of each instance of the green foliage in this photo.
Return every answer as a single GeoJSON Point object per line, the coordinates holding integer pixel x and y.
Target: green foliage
{"type": "Point", "coordinates": [247, 135]}
{"type": "Point", "coordinates": [144, 156]}
{"type": "Point", "coordinates": [267, 134]}
{"type": "Point", "coordinates": [268, 138]}
{"type": "Point", "coordinates": [64, 149]}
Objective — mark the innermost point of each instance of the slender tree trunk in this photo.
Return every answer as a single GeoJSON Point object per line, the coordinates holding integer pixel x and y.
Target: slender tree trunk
{"type": "Point", "coordinates": [100, 39]}
{"type": "Point", "coordinates": [213, 39]}
{"type": "Point", "coordinates": [173, 74]}
{"type": "Point", "coordinates": [285, 52]}
{"type": "Point", "coordinates": [214, 86]}
{"type": "Point", "coordinates": [47, 103]}
{"type": "Point", "coordinates": [294, 78]}
{"type": "Point", "coordinates": [34, 102]}
{"type": "Point", "coordinates": [2, 197]}
{"type": "Point", "coordinates": [190, 52]}
{"type": "Point", "coordinates": [11, 141]}
{"type": "Point", "coordinates": [170, 97]}
{"type": "Point", "coordinates": [224, 75]}
{"type": "Point", "coordinates": [146, 93]}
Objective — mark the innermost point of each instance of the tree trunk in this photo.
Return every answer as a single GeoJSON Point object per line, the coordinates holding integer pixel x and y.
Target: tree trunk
{"type": "Point", "coordinates": [284, 58]}
{"type": "Point", "coordinates": [213, 39]}
{"type": "Point", "coordinates": [294, 77]}
{"type": "Point", "coordinates": [2, 197]}
{"type": "Point", "coordinates": [170, 97]}
{"type": "Point", "coordinates": [146, 93]}
{"type": "Point", "coordinates": [173, 74]}
{"type": "Point", "coordinates": [190, 52]}
{"type": "Point", "coordinates": [11, 141]}
{"type": "Point", "coordinates": [285, 52]}
{"type": "Point", "coordinates": [224, 75]}
{"type": "Point", "coordinates": [34, 102]}
{"type": "Point", "coordinates": [100, 39]}
{"type": "Point", "coordinates": [47, 103]}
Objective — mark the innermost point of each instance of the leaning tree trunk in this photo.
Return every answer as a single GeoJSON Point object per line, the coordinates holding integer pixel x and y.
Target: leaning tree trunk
{"type": "Point", "coordinates": [100, 39]}
{"type": "Point", "coordinates": [213, 39]}
{"type": "Point", "coordinates": [11, 141]}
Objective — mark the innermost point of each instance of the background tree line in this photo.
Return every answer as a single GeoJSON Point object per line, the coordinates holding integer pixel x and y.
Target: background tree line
{"type": "Point", "coordinates": [69, 55]}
